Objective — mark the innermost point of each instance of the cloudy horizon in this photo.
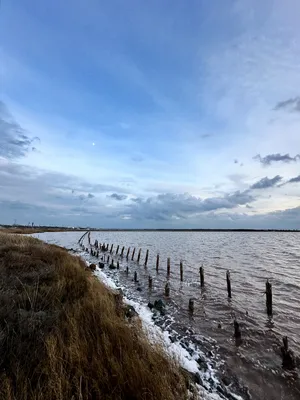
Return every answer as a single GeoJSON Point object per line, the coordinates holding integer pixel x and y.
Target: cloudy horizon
{"type": "Point", "coordinates": [150, 115]}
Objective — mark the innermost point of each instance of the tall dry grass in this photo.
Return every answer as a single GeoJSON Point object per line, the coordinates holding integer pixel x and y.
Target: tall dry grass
{"type": "Point", "coordinates": [64, 336]}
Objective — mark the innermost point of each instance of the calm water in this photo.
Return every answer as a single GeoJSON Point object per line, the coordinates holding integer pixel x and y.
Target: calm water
{"type": "Point", "coordinates": [255, 365]}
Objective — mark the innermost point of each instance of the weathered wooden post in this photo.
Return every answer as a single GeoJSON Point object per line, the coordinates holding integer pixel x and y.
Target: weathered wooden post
{"type": "Point", "coordinates": [107, 259]}
{"type": "Point", "coordinates": [288, 357]}
{"type": "Point", "coordinates": [128, 251]}
{"type": "Point", "coordinates": [117, 250]}
{"type": "Point", "coordinates": [118, 265]}
{"type": "Point", "coordinates": [157, 262]}
{"type": "Point", "coordinates": [191, 305]}
{"type": "Point", "coordinates": [111, 248]}
{"type": "Point", "coordinates": [133, 253]}
{"type": "Point", "coordinates": [269, 301]}
{"type": "Point", "coordinates": [122, 251]}
{"type": "Point", "coordinates": [167, 289]}
{"type": "Point", "coordinates": [201, 271]}
{"type": "Point", "coordinates": [146, 258]}
{"type": "Point", "coordinates": [237, 332]}
{"type": "Point", "coordinates": [97, 254]}
{"type": "Point", "coordinates": [127, 270]}
{"type": "Point", "coordinates": [181, 271]}
{"type": "Point", "coordinates": [139, 256]}
{"type": "Point", "coordinates": [135, 276]}
{"type": "Point", "coordinates": [168, 266]}
{"type": "Point", "coordinates": [150, 282]}
{"type": "Point", "coordinates": [228, 284]}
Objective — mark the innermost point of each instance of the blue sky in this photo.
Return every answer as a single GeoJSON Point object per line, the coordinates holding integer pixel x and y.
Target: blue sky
{"type": "Point", "coordinates": [161, 114]}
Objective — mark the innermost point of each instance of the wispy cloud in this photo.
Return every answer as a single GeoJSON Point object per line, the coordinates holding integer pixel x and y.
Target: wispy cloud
{"type": "Point", "coordinates": [118, 197]}
{"type": "Point", "coordinates": [296, 179]}
{"type": "Point", "coordinates": [292, 104]}
{"type": "Point", "coordinates": [273, 158]}
{"type": "Point", "coordinates": [14, 141]}
{"type": "Point", "coordinates": [266, 182]}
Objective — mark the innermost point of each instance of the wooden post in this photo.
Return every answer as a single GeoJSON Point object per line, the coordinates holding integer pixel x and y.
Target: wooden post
{"type": "Point", "coordinates": [181, 271]}
{"type": "Point", "coordinates": [118, 265]}
{"type": "Point", "coordinates": [150, 282]}
{"type": "Point", "coordinates": [228, 284]}
{"type": "Point", "coordinates": [168, 266]}
{"type": "Point", "coordinates": [201, 271]}
{"type": "Point", "coordinates": [191, 305]}
{"type": "Point", "coordinates": [128, 251]}
{"type": "Point", "coordinates": [167, 289]}
{"type": "Point", "coordinates": [157, 262]}
{"type": "Point", "coordinates": [97, 255]}
{"type": "Point", "coordinates": [269, 302]}
{"type": "Point", "coordinates": [139, 256]}
{"type": "Point", "coordinates": [146, 258]}
{"type": "Point", "coordinates": [133, 253]}
{"type": "Point", "coordinates": [122, 251]}
{"type": "Point", "coordinates": [237, 332]}
{"type": "Point", "coordinates": [288, 357]}
{"type": "Point", "coordinates": [135, 276]}
{"type": "Point", "coordinates": [107, 259]}
{"type": "Point", "coordinates": [117, 250]}
{"type": "Point", "coordinates": [127, 270]}
{"type": "Point", "coordinates": [111, 248]}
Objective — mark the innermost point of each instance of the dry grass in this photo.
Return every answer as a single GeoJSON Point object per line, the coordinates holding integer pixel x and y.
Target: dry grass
{"type": "Point", "coordinates": [28, 230]}
{"type": "Point", "coordinates": [63, 335]}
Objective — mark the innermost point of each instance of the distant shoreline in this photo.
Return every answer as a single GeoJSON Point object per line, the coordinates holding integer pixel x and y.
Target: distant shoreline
{"type": "Point", "coordinates": [40, 229]}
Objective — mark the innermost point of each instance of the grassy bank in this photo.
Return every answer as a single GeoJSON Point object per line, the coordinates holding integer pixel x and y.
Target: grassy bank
{"type": "Point", "coordinates": [29, 230]}
{"type": "Point", "coordinates": [64, 335]}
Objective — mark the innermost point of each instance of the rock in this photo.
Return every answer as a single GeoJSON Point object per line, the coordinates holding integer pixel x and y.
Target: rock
{"type": "Point", "coordinates": [139, 289]}
{"type": "Point", "coordinates": [226, 380]}
{"type": "Point", "coordinates": [150, 305]}
{"type": "Point", "coordinates": [112, 266]}
{"type": "Point", "coordinates": [92, 267]}
{"type": "Point", "coordinates": [130, 312]}
{"type": "Point", "coordinates": [198, 379]}
{"type": "Point", "coordinates": [41, 314]}
{"type": "Point", "coordinates": [201, 360]}
{"type": "Point", "coordinates": [159, 305]}
{"type": "Point", "coordinates": [101, 265]}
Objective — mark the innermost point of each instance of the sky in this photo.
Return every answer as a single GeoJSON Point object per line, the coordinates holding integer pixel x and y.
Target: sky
{"type": "Point", "coordinates": [150, 114]}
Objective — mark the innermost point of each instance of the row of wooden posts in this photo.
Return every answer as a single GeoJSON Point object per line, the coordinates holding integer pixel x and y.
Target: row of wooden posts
{"type": "Point", "coordinates": [288, 359]}
{"type": "Point", "coordinates": [105, 248]}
